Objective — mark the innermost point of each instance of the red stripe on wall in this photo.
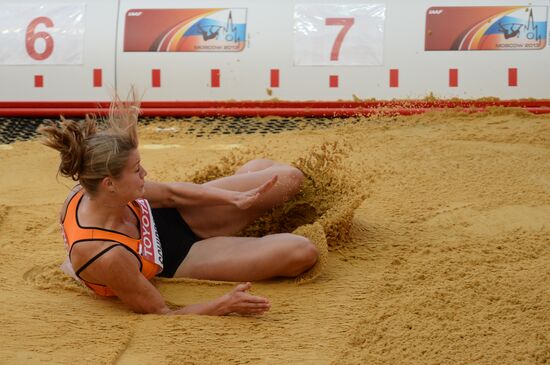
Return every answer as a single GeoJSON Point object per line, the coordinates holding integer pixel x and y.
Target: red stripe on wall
{"type": "Point", "coordinates": [164, 104]}
{"type": "Point", "coordinates": [215, 77]}
{"type": "Point", "coordinates": [38, 81]}
{"type": "Point", "coordinates": [98, 77]}
{"type": "Point", "coordinates": [333, 80]}
{"type": "Point", "coordinates": [513, 77]}
{"type": "Point", "coordinates": [155, 77]}
{"type": "Point", "coordinates": [453, 77]}
{"type": "Point", "coordinates": [394, 77]}
{"type": "Point", "coordinates": [274, 77]}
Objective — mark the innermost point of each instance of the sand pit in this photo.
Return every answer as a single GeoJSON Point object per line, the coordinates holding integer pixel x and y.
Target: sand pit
{"type": "Point", "coordinates": [437, 236]}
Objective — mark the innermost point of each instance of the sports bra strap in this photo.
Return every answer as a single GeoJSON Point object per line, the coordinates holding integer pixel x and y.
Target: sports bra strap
{"type": "Point", "coordinates": [90, 261]}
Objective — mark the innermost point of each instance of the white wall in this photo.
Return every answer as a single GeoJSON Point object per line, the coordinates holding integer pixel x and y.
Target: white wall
{"type": "Point", "coordinates": [245, 75]}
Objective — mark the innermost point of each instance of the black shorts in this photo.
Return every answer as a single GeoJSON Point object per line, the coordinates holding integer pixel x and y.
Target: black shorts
{"type": "Point", "coordinates": [176, 239]}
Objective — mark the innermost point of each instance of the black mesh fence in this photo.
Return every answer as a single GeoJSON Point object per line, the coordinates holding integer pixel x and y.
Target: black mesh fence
{"type": "Point", "coordinates": [21, 129]}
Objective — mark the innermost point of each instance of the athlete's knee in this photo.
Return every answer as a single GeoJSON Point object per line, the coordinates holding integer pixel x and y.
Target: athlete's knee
{"type": "Point", "coordinates": [256, 165]}
{"type": "Point", "coordinates": [292, 177]}
{"type": "Point", "coordinates": [303, 255]}
{"type": "Point", "coordinates": [297, 175]}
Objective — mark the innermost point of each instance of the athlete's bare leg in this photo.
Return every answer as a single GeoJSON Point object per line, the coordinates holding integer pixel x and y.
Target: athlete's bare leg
{"type": "Point", "coordinates": [216, 221]}
{"type": "Point", "coordinates": [248, 259]}
{"type": "Point", "coordinates": [257, 165]}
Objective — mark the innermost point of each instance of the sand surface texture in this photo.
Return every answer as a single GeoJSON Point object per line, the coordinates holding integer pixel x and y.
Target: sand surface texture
{"type": "Point", "coordinates": [436, 231]}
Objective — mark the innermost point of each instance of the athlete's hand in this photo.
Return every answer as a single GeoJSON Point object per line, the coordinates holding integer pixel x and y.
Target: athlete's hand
{"type": "Point", "coordinates": [240, 301]}
{"type": "Point", "coordinates": [244, 200]}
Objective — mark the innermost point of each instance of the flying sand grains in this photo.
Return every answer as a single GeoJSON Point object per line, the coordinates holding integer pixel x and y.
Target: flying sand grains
{"type": "Point", "coordinates": [227, 165]}
{"type": "Point", "coordinates": [332, 190]}
{"type": "Point", "coordinates": [329, 196]}
{"type": "Point", "coordinates": [315, 233]}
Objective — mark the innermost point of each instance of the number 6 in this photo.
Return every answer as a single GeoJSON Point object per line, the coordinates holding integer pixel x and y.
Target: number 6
{"type": "Point", "coordinates": [346, 23]}
{"type": "Point", "coordinates": [31, 38]}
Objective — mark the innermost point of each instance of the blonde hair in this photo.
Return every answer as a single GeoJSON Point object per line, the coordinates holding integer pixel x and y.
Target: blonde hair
{"type": "Point", "coordinates": [93, 149]}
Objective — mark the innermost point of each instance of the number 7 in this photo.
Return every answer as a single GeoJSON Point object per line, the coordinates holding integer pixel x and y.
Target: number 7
{"type": "Point", "coordinates": [346, 24]}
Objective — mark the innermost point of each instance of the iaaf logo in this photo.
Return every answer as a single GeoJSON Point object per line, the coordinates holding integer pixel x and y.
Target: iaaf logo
{"type": "Point", "coordinates": [435, 11]}
{"type": "Point", "coordinates": [134, 13]}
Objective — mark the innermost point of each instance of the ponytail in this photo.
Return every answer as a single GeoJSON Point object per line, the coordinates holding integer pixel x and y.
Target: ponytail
{"type": "Point", "coordinates": [91, 150]}
{"type": "Point", "coordinates": [68, 137]}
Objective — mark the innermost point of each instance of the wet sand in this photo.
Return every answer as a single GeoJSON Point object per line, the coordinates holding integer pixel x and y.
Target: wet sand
{"type": "Point", "coordinates": [437, 232]}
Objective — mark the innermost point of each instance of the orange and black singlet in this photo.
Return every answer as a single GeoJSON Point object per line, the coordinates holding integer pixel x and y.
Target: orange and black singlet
{"type": "Point", "coordinates": [147, 248]}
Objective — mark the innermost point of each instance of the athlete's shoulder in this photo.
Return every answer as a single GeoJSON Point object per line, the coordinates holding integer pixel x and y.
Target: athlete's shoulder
{"type": "Point", "coordinates": [95, 261]}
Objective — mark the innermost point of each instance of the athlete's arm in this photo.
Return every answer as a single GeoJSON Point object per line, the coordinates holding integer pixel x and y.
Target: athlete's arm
{"type": "Point", "coordinates": [119, 270]}
{"type": "Point", "coordinates": [181, 194]}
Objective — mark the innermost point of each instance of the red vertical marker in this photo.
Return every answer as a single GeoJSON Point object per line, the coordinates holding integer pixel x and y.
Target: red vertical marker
{"type": "Point", "coordinates": [98, 77]}
{"type": "Point", "coordinates": [333, 81]}
{"type": "Point", "coordinates": [38, 81]}
{"type": "Point", "coordinates": [215, 77]}
{"type": "Point", "coordinates": [453, 77]}
{"type": "Point", "coordinates": [513, 77]}
{"type": "Point", "coordinates": [155, 77]}
{"type": "Point", "coordinates": [394, 77]}
{"type": "Point", "coordinates": [274, 77]}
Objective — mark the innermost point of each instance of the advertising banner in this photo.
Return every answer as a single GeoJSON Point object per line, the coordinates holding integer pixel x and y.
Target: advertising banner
{"type": "Point", "coordinates": [45, 33]}
{"type": "Point", "coordinates": [339, 34]}
{"type": "Point", "coordinates": [185, 30]}
{"type": "Point", "coordinates": [492, 28]}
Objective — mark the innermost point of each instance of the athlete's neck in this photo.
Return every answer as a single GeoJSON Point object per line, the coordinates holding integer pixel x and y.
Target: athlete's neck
{"type": "Point", "coordinates": [107, 213]}
{"type": "Point", "coordinates": [105, 205]}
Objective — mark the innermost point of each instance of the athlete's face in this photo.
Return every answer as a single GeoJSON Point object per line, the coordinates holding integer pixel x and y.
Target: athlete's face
{"type": "Point", "coordinates": [132, 180]}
